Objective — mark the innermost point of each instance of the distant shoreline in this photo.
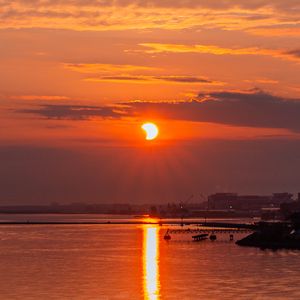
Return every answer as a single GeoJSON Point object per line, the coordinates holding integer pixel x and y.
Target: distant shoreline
{"type": "Point", "coordinates": [211, 214]}
{"type": "Point", "coordinates": [160, 223]}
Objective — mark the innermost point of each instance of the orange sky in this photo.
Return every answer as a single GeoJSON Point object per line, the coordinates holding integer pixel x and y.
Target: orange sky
{"type": "Point", "coordinates": [84, 75]}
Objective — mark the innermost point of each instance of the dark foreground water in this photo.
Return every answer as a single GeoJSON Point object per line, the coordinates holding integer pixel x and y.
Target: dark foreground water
{"type": "Point", "coordinates": [134, 262]}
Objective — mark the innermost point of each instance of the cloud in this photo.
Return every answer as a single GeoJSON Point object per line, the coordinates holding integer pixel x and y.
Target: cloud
{"type": "Point", "coordinates": [263, 80]}
{"type": "Point", "coordinates": [253, 108]}
{"type": "Point", "coordinates": [216, 50]}
{"type": "Point", "coordinates": [245, 109]}
{"type": "Point", "coordinates": [103, 68]}
{"type": "Point", "coordinates": [125, 14]}
{"type": "Point", "coordinates": [295, 53]}
{"type": "Point", "coordinates": [153, 79]}
{"type": "Point", "coordinates": [291, 29]}
{"type": "Point", "coordinates": [73, 112]}
{"type": "Point", "coordinates": [121, 78]}
{"type": "Point", "coordinates": [40, 97]}
{"type": "Point", "coordinates": [213, 4]}
{"type": "Point", "coordinates": [183, 79]}
{"type": "Point", "coordinates": [131, 74]}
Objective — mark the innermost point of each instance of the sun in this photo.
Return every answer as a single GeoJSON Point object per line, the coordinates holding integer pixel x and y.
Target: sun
{"type": "Point", "coordinates": [151, 131]}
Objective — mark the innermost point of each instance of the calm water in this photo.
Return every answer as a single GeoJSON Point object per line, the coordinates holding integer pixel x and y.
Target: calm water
{"type": "Point", "coordinates": [134, 262]}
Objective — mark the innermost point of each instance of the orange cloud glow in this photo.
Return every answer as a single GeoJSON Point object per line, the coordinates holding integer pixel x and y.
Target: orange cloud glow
{"type": "Point", "coordinates": [216, 50]}
{"type": "Point", "coordinates": [104, 68]}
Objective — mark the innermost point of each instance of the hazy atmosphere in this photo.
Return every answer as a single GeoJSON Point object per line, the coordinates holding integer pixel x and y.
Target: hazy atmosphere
{"type": "Point", "coordinates": [79, 78]}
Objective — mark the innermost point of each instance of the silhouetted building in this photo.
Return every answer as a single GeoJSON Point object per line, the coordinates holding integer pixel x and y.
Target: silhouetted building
{"type": "Point", "coordinates": [227, 201]}
{"type": "Point", "coordinates": [220, 201]}
{"type": "Point", "coordinates": [279, 198]}
{"type": "Point", "coordinates": [289, 208]}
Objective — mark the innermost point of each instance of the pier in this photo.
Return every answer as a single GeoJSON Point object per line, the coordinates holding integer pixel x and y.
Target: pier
{"type": "Point", "coordinates": [209, 230]}
{"type": "Point", "coordinates": [212, 229]}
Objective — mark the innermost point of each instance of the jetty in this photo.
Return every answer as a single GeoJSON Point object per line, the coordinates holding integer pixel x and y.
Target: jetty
{"type": "Point", "coordinates": [209, 230]}
{"type": "Point", "coordinates": [200, 237]}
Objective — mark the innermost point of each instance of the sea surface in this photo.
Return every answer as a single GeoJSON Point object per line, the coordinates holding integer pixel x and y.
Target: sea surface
{"type": "Point", "coordinates": [134, 262]}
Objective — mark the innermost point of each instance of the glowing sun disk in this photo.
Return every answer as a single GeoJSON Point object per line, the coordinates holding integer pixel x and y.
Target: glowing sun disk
{"type": "Point", "coordinates": [151, 131]}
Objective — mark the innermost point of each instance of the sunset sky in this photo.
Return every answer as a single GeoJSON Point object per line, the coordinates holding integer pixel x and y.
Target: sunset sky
{"type": "Point", "coordinates": [220, 78]}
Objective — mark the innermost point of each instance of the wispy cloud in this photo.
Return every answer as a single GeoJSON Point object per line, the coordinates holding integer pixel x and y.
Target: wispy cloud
{"type": "Point", "coordinates": [154, 79]}
{"type": "Point", "coordinates": [216, 50]}
{"type": "Point", "coordinates": [263, 81]}
{"type": "Point", "coordinates": [285, 29]}
{"type": "Point", "coordinates": [295, 52]}
{"type": "Point", "coordinates": [133, 74]}
{"type": "Point", "coordinates": [74, 112]}
{"type": "Point", "coordinates": [124, 14]}
{"type": "Point", "coordinates": [93, 68]}
{"type": "Point", "coordinates": [40, 97]}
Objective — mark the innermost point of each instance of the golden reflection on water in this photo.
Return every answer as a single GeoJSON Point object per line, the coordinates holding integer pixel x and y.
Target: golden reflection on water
{"type": "Point", "coordinates": [151, 284]}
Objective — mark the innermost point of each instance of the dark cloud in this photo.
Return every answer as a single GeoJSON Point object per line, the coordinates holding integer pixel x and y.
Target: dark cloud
{"type": "Point", "coordinates": [124, 78]}
{"type": "Point", "coordinates": [248, 109]}
{"type": "Point", "coordinates": [295, 52]}
{"type": "Point", "coordinates": [245, 109]}
{"type": "Point", "coordinates": [171, 78]}
{"type": "Point", "coordinates": [73, 112]}
{"type": "Point", "coordinates": [183, 79]}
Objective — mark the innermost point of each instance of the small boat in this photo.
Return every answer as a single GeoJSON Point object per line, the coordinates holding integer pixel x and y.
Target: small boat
{"type": "Point", "coordinates": [200, 237]}
{"type": "Point", "coordinates": [212, 237]}
{"type": "Point", "coordinates": [167, 236]}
